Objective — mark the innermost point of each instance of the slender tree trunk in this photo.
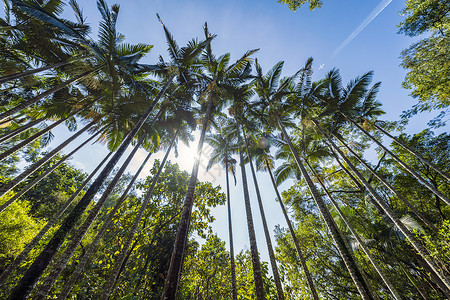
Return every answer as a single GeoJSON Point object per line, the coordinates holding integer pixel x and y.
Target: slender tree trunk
{"type": "Point", "coordinates": [350, 264]}
{"type": "Point", "coordinates": [18, 260]}
{"type": "Point", "coordinates": [392, 216]}
{"type": "Point", "coordinates": [59, 265]}
{"type": "Point", "coordinates": [51, 169]}
{"type": "Point", "coordinates": [410, 150]}
{"type": "Point", "coordinates": [230, 233]}
{"type": "Point", "coordinates": [93, 246]}
{"type": "Point", "coordinates": [358, 238]}
{"type": "Point", "coordinates": [25, 286]}
{"type": "Point", "coordinates": [273, 262]}
{"type": "Point", "coordinates": [294, 237]}
{"type": "Point", "coordinates": [392, 189]}
{"type": "Point", "coordinates": [257, 273]}
{"type": "Point", "coordinates": [47, 93]}
{"type": "Point", "coordinates": [114, 275]}
{"type": "Point", "coordinates": [19, 178]}
{"type": "Point", "coordinates": [403, 164]}
{"type": "Point", "coordinates": [31, 72]}
{"type": "Point", "coordinates": [22, 144]}
{"type": "Point", "coordinates": [13, 133]}
{"type": "Point", "coordinates": [176, 261]}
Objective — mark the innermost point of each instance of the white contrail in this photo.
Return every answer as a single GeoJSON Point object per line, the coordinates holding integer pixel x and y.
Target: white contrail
{"type": "Point", "coordinates": [377, 10]}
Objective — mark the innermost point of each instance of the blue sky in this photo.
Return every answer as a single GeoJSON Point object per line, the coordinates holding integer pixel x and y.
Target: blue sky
{"type": "Point", "coordinates": [281, 35]}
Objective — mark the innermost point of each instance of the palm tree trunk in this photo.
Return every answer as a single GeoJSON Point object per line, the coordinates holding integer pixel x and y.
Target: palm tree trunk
{"type": "Point", "coordinates": [257, 273]}
{"type": "Point", "coordinates": [114, 276]}
{"type": "Point", "coordinates": [58, 266]}
{"type": "Point", "coordinates": [294, 237]}
{"type": "Point", "coordinates": [176, 261]}
{"type": "Point", "coordinates": [273, 262]}
{"type": "Point", "coordinates": [25, 286]}
{"type": "Point", "coordinates": [33, 71]}
{"type": "Point", "coordinates": [350, 264]}
{"type": "Point", "coordinates": [19, 178]}
{"type": "Point", "coordinates": [35, 99]}
{"type": "Point", "coordinates": [50, 170]}
{"type": "Point", "coordinates": [392, 189]}
{"type": "Point", "coordinates": [18, 260]}
{"type": "Point", "coordinates": [358, 238]}
{"type": "Point", "coordinates": [13, 133]}
{"type": "Point", "coordinates": [93, 246]}
{"type": "Point", "coordinates": [230, 232]}
{"type": "Point", "coordinates": [403, 164]}
{"type": "Point", "coordinates": [410, 150]}
{"type": "Point", "coordinates": [392, 216]}
{"type": "Point", "coordinates": [22, 144]}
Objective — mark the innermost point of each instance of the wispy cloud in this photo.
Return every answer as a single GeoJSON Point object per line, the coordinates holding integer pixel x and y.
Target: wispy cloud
{"type": "Point", "coordinates": [375, 12]}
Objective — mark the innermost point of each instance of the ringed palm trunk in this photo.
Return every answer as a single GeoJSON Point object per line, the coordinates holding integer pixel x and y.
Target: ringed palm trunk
{"type": "Point", "coordinates": [176, 261]}
{"type": "Point", "coordinates": [433, 189]}
{"type": "Point", "coordinates": [25, 286]}
{"type": "Point", "coordinates": [410, 150]}
{"type": "Point", "coordinates": [31, 169]}
{"type": "Point", "coordinates": [230, 232]}
{"type": "Point", "coordinates": [273, 262]}
{"type": "Point", "coordinates": [358, 238]}
{"type": "Point", "coordinates": [13, 133]}
{"type": "Point", "coordinates": [50, 170]}
{"type": "Point", "coordinates": [18, 260]}
{"type": "Point", "coordinates": [60, 264]}
{"type": "Point", "coordinates": [120, 261]}
{"type": "Point", "coordinates": [444, 283]}
{"type": "Point", "coordinates": [93, 246]}
{"type": "Point", "coordinates": [350, 264]}
{"type": "Point", "coordinates": [22, 144]}
{"type": "Point", "coordinates": [257, 273]}
{"type": "Point", "coordinates": [294, 237]}
{"type": "Point", "coordinates": [47, 93]}
{"type": "Point", "coordinates": [391, 188]}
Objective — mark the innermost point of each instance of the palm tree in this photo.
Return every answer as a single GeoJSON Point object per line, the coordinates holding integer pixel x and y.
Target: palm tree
{"type": "Point", "coordinates": [106, 224]}
{"type": "Point", "coordinates": [217, 76]}
{"type": "Point", "coordinates": [54, 219]}
{"type": "Point", "coordinates": [257, 273]}
{"type": "Point", "coordinates": [264, 161]}
{"type": "Point", "coordinates": [13, 133]}
{"type": "Point", "coordinates": [222, 143]}
{"type": "Point", "coordinates": [273, 262]}
{"type": "Point", "coordinates": [270, 95]}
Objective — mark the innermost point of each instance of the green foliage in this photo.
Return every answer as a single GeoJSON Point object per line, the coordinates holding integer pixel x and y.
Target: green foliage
{"type": "Point", "coordinates": [428, 61]}
{"type": "Point", "coordinates": [296, 4]}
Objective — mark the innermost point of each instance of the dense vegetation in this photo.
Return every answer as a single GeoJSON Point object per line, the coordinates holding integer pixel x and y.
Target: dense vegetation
{"type": "Point", "coordinates": [356, 229]}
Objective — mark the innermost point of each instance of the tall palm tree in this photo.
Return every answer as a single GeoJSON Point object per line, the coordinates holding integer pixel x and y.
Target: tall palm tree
{"type": "Point", "coordinates": [217, 75]}
{"type": "Point", "coordinates": [222, 143]}
{"type": "Point", "coordinates": [257, 273]}
{"type": "Point", "coordinates": [272, 259]}
{"type": "Point", "coordinates": [270, 96]}
{"type": "Point", "coordinates": [264, 161]}
{"type": "Point", "coordinates": [54, 219]}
